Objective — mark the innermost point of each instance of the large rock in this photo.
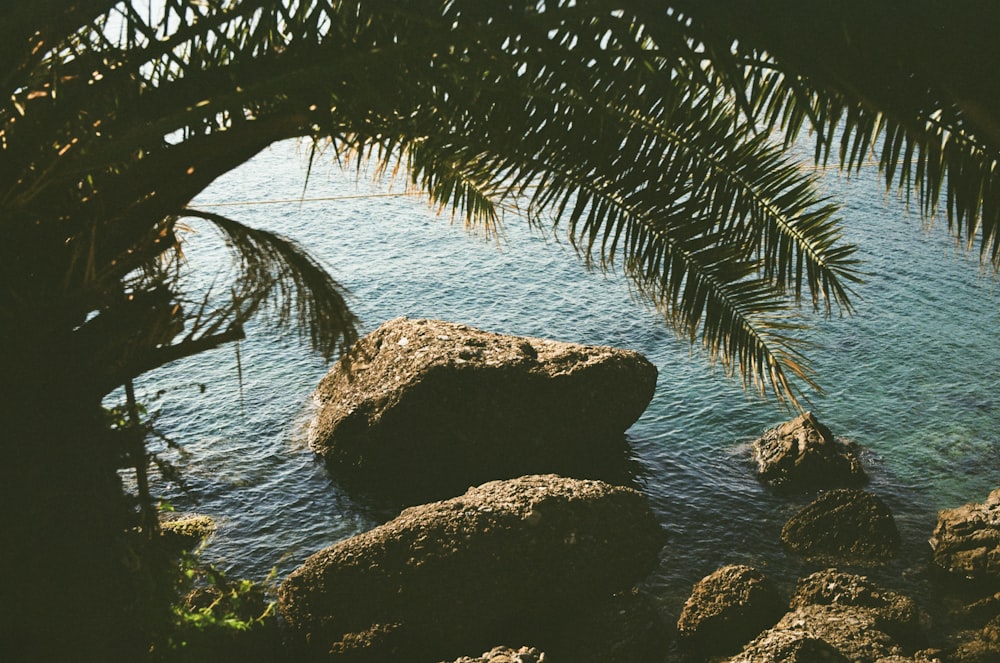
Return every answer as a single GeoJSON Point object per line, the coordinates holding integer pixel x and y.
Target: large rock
{"type": "Point", "coordinates": [728, 608]}
{"type": "Point", "coordinates": [843, 526]}
{"type": "Point", "coordinates": [510, 561]}
{"type": "Point", "coordinates": [840, 617]}
{"type": "Point", "coordinates": [966, 541]}
{"type": "Point", "coordinates": [434, 406]}
{"type": "Point", "coordinates": [802, 455]}
{"type": "Point", "coordinates": [894, 614]}
{"type": "Point", "coordinates": [821, 633]}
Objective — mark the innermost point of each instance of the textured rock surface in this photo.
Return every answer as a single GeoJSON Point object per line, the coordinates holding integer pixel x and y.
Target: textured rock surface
{"type": "Point", "coordinates": [509, 561]}
{"type": "Point", "coordinates": [802, 455]}
{"type": "Point", "coordinates": [821, 633]}
{"type": "Point", "coordinates": [789, 646]}
{"type": "Point", "coordinates": [843, 525]}
{"type": "Point", "coordinates": [894, 614]}
{"type": "Point", "coordinates": [980, 646]}
{"type": "Point", "coordinates": [507, 655]}
{"type": "Point", "coordinates": [185, 531]}
{"type": "Point", "coordinates": [728, 608]}
{"type": "Point", "coordinates": [432, 404]}
{"type": "Point", "coordinates": [966, 540]}
{"type": "Point", "coordinates": [841, 617]}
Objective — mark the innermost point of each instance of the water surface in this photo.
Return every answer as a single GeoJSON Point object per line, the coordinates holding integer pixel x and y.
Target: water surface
{"type": "Point", "coordinates": [911, 376]}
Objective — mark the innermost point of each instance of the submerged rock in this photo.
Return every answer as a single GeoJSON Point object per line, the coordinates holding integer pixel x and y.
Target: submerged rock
{"type": "Point", "coordinates": [728, 608]}
{"type": "Point", "coordinates": [802, 455]}
{"type": "Point", "coordinates": [843, 526]}
{"type": "Point", "coordinates": [436, 406]}
{"type": "Point", "coordinates": [509, 561]}
{"type": "Point", "coordinates": [966, 541]}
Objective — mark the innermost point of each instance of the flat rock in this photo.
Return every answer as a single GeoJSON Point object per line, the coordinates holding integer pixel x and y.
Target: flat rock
{"type": "Point", "coordinates": [729, 608]}
{"type": "Point", "coordinates": [966, 541]}
{"type": "Point", "coordinates": [509, 561]}
{"type": "Point", "coordinates": [437, 407]}
{"type": "Point", "coordinates": [843, 526]}
{"type": "Point", "coordinates": [802, 455]}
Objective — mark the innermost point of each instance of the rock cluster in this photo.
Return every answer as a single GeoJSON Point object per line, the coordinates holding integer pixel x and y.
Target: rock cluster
{"type": "Point", "coordinates": [802, 454]}
{"type": "Point", "coordinates": [432, 407]}
{"type": "Point", "coordinates": [551, 561]}
{"type": "Point", "coordinates": [511, 560]}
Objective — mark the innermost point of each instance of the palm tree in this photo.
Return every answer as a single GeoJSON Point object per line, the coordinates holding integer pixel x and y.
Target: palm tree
{"type": "Point", "coordinates": [644, 134]}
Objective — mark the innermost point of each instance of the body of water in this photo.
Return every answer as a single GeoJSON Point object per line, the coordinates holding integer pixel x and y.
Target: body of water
{"type": "Point", "coordinates": [911, 377]}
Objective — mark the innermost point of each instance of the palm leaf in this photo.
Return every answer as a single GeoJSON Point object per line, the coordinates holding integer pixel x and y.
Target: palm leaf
{"type": "Point", "coordinates": [280, 278]}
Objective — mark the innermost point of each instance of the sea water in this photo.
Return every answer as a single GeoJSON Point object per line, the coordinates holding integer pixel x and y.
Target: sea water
{"type": "Point", "coordinates": [911, 376]}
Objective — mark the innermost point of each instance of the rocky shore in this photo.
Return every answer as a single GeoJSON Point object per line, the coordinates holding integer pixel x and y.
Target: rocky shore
{"type": "Point", "coordinates": [533, 565]}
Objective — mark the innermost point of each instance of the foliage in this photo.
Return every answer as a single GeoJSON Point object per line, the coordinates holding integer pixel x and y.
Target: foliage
{"type": "Point", "coordinates": [626, 137]}
{"type": "Point", "coordinates": [217, 618]}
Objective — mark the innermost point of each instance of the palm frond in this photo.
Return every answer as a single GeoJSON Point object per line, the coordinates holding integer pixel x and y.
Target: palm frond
{"type": "Point", "coordinates": [281, 280]}
{"type": "Point", "coordinates": [691, 204]}
{"type": "Point", "coordinates": [875, 94]}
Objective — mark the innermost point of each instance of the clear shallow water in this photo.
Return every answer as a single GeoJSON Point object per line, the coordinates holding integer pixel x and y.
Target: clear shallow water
{"type": "Point", "coordinates": [911, 377]}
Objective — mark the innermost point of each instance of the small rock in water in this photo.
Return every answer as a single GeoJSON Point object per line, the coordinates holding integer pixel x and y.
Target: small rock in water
{"type": "Point", "coordinates": [802, 455]}
{"type": "Point", "coordinates": [843, 525]}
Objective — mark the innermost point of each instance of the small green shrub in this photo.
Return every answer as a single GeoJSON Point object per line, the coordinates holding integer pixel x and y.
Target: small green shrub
{"type": "Point", "coordinates": [217, 618]}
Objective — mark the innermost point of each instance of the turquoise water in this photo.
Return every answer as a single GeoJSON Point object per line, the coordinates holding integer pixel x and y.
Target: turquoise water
{"type": "Point", "coordinates": [911, 377]}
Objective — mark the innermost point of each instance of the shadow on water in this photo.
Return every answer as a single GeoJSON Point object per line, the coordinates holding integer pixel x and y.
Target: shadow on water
{"type": "Point", "coordinates": [394, 487]}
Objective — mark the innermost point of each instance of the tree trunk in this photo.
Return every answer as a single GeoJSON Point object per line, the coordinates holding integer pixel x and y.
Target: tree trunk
{"type": "Point", "coordinates": [72, 589]}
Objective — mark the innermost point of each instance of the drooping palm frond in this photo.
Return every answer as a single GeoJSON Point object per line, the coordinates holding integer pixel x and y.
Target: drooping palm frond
{"type": "Point", "coordinates": [900, 87]}
{"type": "Point", "coordinates": [668, 184]}
{"type": "Point", "coordinates": [279, 278]}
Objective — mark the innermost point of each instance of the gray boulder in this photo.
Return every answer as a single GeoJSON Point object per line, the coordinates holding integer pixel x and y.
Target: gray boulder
{"type": "Point", "coordinates": [966, 541]}
{"type": "Point", "coordinates": [509, 561]}
{"type": "Point", "coordinates": [802, 455]}
{"type": "Point", "coordinates": [728, 608]}
{"type": "Point", "coordinates": [843, 526]}
{"type": "Point", "coordinates": [432, 407]}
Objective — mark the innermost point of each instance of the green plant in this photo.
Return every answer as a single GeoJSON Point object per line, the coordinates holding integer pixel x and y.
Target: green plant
{"type": "Point", "coordinates": [217, 618]}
